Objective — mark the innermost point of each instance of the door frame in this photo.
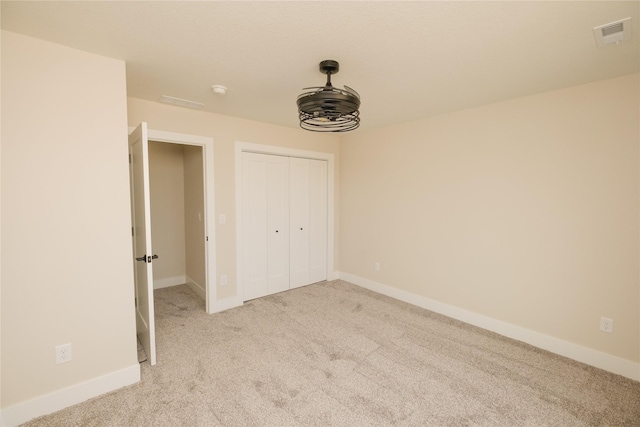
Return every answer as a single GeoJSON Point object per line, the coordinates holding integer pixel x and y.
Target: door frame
{"type": "Point", "coordinates": [249, 147]}
{"type": "Point", "coordinates": [209, 203]}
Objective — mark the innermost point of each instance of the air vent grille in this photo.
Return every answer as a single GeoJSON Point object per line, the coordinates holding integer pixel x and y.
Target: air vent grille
{"type": "Point", "coordinates": [612, 29]}
{"type": "Point", "coordinates": [180, 102]}
{"type": "Point", "coordinates": [613, 33]}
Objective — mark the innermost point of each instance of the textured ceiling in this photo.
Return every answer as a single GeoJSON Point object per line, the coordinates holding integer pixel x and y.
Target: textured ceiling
{"type": "Point", "coordinates": [408, 60]}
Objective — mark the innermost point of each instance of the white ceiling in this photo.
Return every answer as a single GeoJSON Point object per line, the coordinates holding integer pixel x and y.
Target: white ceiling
{"type": "Point", "coordinates": [408, 60]}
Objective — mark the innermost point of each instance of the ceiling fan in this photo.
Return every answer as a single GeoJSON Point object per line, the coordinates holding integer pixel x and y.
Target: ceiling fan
{"type": "Point", "coordinates": [327, 108]}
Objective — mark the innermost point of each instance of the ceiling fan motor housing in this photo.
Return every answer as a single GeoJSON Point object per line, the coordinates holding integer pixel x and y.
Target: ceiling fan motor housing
{"type": "Point", "coordinates": [329, 66]}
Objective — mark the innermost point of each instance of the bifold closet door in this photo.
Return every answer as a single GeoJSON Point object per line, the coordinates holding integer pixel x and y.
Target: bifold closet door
{"type": "Point", "coordinates": [265, 210]}
{"type": "Point", "coordinates": [308, 221]}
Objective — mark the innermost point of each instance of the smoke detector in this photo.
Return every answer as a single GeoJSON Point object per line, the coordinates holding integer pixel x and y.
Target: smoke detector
{"type": "Point", "coordinates": [613, 32]}
{"type": "Point", "coordinates": [219, 89]}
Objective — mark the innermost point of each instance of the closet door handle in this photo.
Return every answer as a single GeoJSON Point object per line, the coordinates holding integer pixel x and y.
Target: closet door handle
{"type": "Point", "coordinates": [276, 231]}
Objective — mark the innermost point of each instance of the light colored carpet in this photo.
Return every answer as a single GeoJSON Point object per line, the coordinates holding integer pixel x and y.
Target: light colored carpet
{"type": "Point", "coordinates": [142, 356]}
{"type": "Point", "coordinates": [333, 354]}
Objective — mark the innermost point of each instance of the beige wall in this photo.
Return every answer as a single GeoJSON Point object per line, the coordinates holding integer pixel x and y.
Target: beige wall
{"type": "Point", "coordinates": [225, 131]}
{"type": "Point", "coordinates": [525, 211]}
{"type": "Point", "coordinates": [67, 274]}
{"type": "Point", "coordinates": [194, 229]}
{"type": "Point", "coordinates": [167, 190]}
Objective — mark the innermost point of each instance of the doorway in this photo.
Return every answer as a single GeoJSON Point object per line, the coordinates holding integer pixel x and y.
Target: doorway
{"type": "Point", "coordinates": [176, 183]}
{"type": "Point", "coordinates": [144, 254]}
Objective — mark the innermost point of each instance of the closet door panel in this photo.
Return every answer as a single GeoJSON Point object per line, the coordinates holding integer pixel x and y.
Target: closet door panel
{"type": "Point", "coordinates": [265, 239]}
{"type": "Point", "coordinates": [284, 204]}
{"type": "Point", "coordinates": [255, 242]}
{"type": "Point", "coordinates": [308, 221]}
{"type": "Point", "coordinates": [317, 221]}
{"type": "Point", "coordinates": [278, 223]}
{"type": "Point", "coordinates": [299, 220]}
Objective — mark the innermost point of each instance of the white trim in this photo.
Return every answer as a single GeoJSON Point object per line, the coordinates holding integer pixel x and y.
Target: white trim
{"type": "Point", "coordinates": [60, 399]}
{"type": "Point", "coordinates": [335, 275]}
{"type": "Point", "coordinates": [209, 206]}
{"type": "Point", "coordinates": [196, 287]}
{"type": "Point", "coordinates": [175, 138]}
{"type": "Point", "coordinates": [598, 359]}
{"type": "Point", "coordinates": [211, 286]}
{"type": "Point", "coordinates": [168, 281]}
{"type": "Point", "coordinates": [241, 147]}
{"type": "Point", "coordinates": [228, 303]}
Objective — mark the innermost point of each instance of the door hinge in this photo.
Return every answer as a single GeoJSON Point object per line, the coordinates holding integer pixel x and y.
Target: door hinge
{"type": "Point", "coordinates": [132, 233]}
{"type": "Point", "coordinates": [129, 157]}
{"type": "Point", "coordinates": [207, 238]}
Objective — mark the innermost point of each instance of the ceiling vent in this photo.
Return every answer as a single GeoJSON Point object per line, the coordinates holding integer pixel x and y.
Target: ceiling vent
{"type": "Point", "coordinates": [180, 102]}
{"type": "Point", "coordinates": [613, 32]}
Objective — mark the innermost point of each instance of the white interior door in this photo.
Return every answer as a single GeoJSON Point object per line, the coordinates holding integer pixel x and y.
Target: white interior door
{"type": "Point", "coordinates": [318, 209]}
{"type": "Point", "coordinates": [265, 198]}
{"type": "Point", "coordinates": [278, 222]}
{"type": "Point", "coordinates": [299, 221]}
{"type": "Point", "coordinates": [142, 250]}
{"type": "Point", "coordinates": [308, 209]}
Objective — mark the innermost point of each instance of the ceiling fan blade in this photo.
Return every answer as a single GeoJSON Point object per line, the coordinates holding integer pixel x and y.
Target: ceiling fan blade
{"type": "Point", "coordinates": [352, 91]}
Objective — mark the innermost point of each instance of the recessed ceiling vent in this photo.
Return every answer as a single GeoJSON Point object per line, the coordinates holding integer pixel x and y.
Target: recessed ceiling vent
{"type": "Point", "coordinates": [180, 102]}
{"type": "Point", "coordinates": [613, 32]}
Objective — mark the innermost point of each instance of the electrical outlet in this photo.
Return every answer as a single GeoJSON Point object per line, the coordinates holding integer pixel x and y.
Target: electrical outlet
{"type": "Point", "coordinates": [606, 325]}
{"type": "Point", "coordinates": [223, 280]}
{"type": "Point", "coordinates": [377, 266]}
{"type": "Point", "coordinates": [64, 353]}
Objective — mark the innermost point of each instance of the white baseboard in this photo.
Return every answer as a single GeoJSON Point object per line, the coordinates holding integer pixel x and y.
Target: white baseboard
{"type": "Point", "coordinates": [60, 399]}
{"type": "Point", "coordinates": [236, 301]}
{"type": "Point", "coordinates": [169, 281]}
{"type": "Point", "coordinates": [598, 359]}
{"type": "Point", "coordinates": [334, 275]}
{"type": "Point", "coordinates": [197, 288]}
{"type": "Point", "coordinates": [226, 304]}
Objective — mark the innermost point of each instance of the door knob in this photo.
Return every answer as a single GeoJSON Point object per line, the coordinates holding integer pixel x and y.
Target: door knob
{"type": "Point", "coordinates": [145, 258]}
